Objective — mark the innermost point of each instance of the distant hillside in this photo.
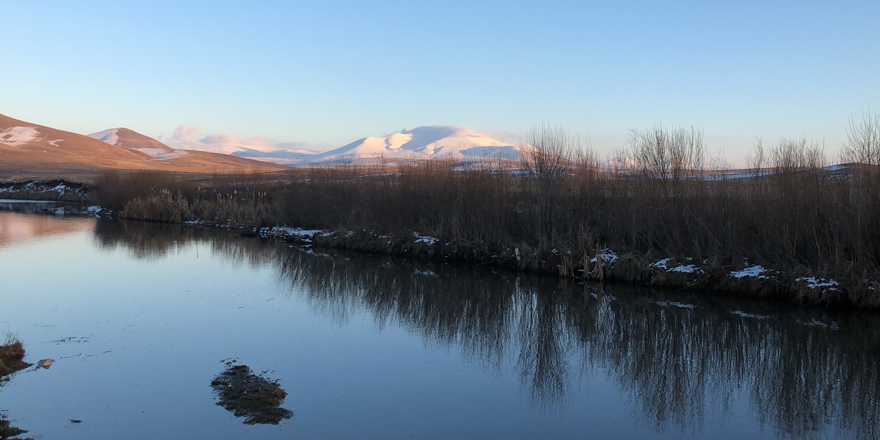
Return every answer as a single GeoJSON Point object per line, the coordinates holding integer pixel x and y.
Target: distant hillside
{"type": "Point", "coordinates": [28, 147]}
{"type": "Point", "coordinates": [191, 159]}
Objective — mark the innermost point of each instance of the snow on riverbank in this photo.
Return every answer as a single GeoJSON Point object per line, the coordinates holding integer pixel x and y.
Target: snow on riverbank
{"type": "Point", "coordinates": [682, 268]}
{"type": "Point", "coordinates": [753, 272]}
{"type": "Point", "coordinates": [819, 283]}
{"type": "Point", "coordinates": [43, 190]}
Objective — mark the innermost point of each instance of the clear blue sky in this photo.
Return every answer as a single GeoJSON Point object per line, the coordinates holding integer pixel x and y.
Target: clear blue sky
{"type": "Point", "coordinates": [328, 72]}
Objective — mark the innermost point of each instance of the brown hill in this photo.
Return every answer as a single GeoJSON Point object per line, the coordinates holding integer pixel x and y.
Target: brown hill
{"type": "Point", "coordinates": [130, 139]}
{"type": "Point", "coordinates": [189, 159]}
{"type": "Point", "coordinates": [27, 148]}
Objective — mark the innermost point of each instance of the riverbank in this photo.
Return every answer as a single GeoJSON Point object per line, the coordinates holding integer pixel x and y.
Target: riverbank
{"type": "Point", "coordinates": [746, 279]}
{"type": "Point", "coordinates": [57, 190]}
{"type": "Point", "coordinates": [584, 257]}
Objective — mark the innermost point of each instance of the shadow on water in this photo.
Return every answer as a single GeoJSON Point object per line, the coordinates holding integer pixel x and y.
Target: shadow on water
{"type": "Point", "coordinates": [675, 355]}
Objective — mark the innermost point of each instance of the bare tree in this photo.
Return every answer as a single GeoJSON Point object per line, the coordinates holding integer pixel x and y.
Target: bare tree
{"type": "Point", "coordinates": [863, 140]}
{"type": "Point", "coordinates": [545, 159]}
{"type": "Point", "coordinates": [791, 155]}
{"type": "Point", "coordinates": [669, 155]}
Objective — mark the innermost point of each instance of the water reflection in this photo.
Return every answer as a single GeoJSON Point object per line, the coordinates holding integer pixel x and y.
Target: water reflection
{"type": "Point", "coordinates": [15, 228]}
{"type": "Point", "coordinates": [676, 356]}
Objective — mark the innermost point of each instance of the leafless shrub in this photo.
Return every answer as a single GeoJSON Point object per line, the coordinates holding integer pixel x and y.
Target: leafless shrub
{"type": "Point", "coordinates": [666, 155]}
{"type": "Point", "coordinates": [863, 141]}
{"type": "Point", "coordinates": [546, 161]}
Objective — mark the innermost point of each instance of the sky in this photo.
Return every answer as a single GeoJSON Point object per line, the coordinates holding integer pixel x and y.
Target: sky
{"type": "Point", "coordinates": [325, 73]}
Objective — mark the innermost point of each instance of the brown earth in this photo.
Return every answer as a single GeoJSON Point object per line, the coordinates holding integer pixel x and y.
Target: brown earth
{"type": "Point", "coordinates": [63, 153]}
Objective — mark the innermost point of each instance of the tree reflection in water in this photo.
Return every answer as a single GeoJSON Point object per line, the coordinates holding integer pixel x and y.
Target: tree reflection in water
{"type": "Point", "coordinates": [676, 355]}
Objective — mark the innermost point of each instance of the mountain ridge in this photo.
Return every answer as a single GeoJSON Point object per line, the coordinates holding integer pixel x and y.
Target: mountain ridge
{"type": "Point", "coordinates": [26, 147]}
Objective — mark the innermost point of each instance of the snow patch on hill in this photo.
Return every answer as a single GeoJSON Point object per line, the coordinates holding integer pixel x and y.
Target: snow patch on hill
{"type": "Point", "coordinates": [19, 136]}
{"type": "Point", "coordinates": [161, 154]}
{"type": "Point", "coordinates": [109, 136]}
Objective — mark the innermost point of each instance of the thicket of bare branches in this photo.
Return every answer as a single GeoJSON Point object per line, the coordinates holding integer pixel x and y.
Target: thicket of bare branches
{"type": "Point", "coordinates": [863, 141]}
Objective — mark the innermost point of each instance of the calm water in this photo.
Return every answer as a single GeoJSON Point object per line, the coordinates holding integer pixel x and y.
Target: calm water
{"type": "Point", "coordinates": [139, 316]}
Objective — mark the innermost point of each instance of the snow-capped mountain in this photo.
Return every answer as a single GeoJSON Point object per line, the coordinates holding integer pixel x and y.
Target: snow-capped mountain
{"type": "Point", "coordinates": [24, 146]}
{"type": "Point", "coordinates": [430, 142]}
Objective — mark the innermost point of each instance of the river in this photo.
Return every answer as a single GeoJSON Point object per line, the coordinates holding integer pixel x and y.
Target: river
{"type": "Point", "coordinates": [140, 318]}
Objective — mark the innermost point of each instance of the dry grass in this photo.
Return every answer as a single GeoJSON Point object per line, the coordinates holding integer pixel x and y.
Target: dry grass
{"type": "Point", "coordinates": [158, 207]}
{"type": "Point", "coordinates": [11, 357]}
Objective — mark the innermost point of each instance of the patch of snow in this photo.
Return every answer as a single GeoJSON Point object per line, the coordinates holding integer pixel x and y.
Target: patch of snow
{"type": "Point", "coordinates": [754, 272]}
{"type": "Point", "coordinates": [608, 256]}
{"type": "Point", "coordinates": [425, 239]}
{"type": "Point", "coordinates": [685, 268]}
{"type": "Point", "coordinates": [816, 283]}
{"type": "Point", "coordinates": [662, 263]}
{"type": "Point", "coordinates": [429, 273]}
{"type": "Point", "coordinates": [109, 136]}
{"type": "Point", "coordinates": [299, 232]}
{"type": "Point", "coordinates": [162, 154]}
{"type": "Point", "coordinates": [19, 136]}
{"type": "Point", "coordinates": [748, 315]}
